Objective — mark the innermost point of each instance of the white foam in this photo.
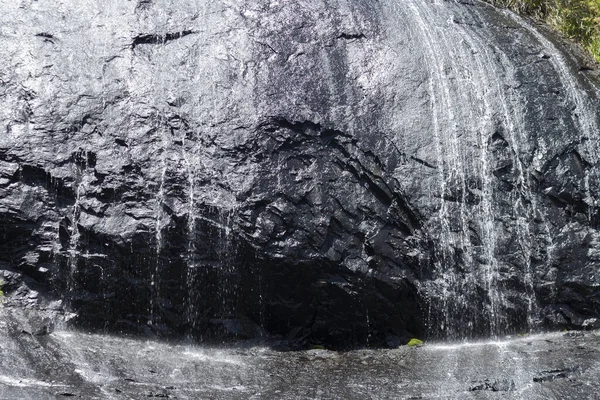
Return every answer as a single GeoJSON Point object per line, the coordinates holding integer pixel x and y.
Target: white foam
{"type": "Point", "coordinates": [26, 382]}
{"type": "Point", "coordinates": [213, 358]}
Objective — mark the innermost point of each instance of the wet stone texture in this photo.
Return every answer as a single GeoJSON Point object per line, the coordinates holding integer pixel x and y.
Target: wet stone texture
{"type": "Point", "coordinates": [92, 366]}
{"type": "Point", "coordinates": [344, 173]}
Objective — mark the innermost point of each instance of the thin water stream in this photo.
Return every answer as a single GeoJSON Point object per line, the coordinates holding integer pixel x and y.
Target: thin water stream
{"type": "Point", "coordinates": [483, 143]}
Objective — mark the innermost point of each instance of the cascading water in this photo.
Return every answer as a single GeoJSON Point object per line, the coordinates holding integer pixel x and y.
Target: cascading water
{"type": "Point", "coordinates": [159, 128]}
{"type": "Point", "coordinates": [85, 176]}
{"type": "Point", "coordinates": [74, 238]}
{"type": "Point", "coordinates": [472, 112]}
{"type": "Point", "coordinates": [583, 113]}
{"type": "Point", "coordinates": [211, 273]}
{"type": "Point", "coordinates": [191, 166]}
{"type": "Point", "coordinates": [158, 234]}
{"type": "Point", "coordinates": [525, 203]}
{"type": "Point", "coordinates": [462, 123]}
{"type": "Point", "coordinates": [227, 261]}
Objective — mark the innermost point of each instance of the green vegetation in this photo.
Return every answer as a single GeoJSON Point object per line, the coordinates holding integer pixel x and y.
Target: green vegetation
{"type": "Point", "coordinates": [578, 20]}
{"type": "Point", "coordinates": [1, 292]}
{"type": "Point", "coordinates": [414, 342]}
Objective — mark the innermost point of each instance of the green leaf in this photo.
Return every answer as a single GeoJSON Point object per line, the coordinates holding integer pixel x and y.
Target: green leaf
{"type": "Point", "coordinates": [415, 342]}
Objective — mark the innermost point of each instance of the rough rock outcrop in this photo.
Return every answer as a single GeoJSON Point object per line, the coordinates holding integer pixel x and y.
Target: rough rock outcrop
{"type": "Point", "coordinates": [342, 172]}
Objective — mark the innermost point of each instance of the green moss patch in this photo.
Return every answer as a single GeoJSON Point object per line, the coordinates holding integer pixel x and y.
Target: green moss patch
{"type": "Point", "coordinates": [415, 342]}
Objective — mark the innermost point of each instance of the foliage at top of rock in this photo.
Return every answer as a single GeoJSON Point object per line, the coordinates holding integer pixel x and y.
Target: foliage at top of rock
{"type": "Point", "coordinates": [577, 19]}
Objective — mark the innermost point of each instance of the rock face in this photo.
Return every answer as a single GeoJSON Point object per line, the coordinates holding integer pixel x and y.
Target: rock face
{"type": "Point", "coordinates": [343, 172]}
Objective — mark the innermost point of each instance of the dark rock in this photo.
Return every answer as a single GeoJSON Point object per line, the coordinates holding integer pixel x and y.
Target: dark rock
{"type": "Point", "coordinates": [348, 173]}
{"type": "Point", "coordinates": [161, 395]}
{"type": "Point", "coordinates": [42, 326]}
{"type": "Point", "coordinates": [551, 375]}
{"type": "Point", "coordinates": [494, 385]}
{"type": "Point", "coordinates": [574, 334]}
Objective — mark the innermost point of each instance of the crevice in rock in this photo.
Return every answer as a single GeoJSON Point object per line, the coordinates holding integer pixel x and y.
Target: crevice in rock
{"type": "Point", "coordinates": [48, 38]}
{"type": "Point", "coordinates": [351, 36]}
{"type": "Point", "coordinates": [267, 46]}
{"type": "Point", "coordinates": [121, 142]}
{"type": "Point", "coordinates": [154, 38]}
{"type": "Point", "coordinates": [143, 5]}
{"type": "Point", "coordinates": [37, 176]}
{"type": "Point", "coordinates": [552, 375]}
{"type": "Point", "coordinates": [423, 162]}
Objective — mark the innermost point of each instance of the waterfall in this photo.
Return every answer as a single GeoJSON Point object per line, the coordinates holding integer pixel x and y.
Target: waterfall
{"type": "Point", "coordinates": [585, 117]}
{"type": "Point", "coordinates": [74, 236]}
{"type": "Point", "coordinates": [462, 124]}
{"type": "Point", "coordinates": [85, 177]}
{"type": "Point", "coordinates": [190, 309]}
{"type": "Point", "coordinates": [472, 109]}
{"type": "Point", "coordinates": [525, 202]}
{"type": "Point", "coordinates": [158, 235]}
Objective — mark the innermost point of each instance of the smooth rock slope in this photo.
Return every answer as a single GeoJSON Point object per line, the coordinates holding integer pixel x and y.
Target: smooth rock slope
{"type": "Point", "coordinates": [91, 366]}
{"type": "Point", "coordinates": [342, 172]}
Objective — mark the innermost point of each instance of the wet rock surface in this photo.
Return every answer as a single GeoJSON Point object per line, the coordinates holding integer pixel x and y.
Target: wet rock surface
{"type": "Point", "coordinates": [342, 173]}
{"type": "Point", "coordinates": [93, 366]}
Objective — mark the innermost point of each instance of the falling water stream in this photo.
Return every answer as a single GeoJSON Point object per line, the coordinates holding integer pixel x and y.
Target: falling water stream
{"type": "Point", "coordinates": [584, 115]}
{"type": "Point", "coordinates": [85, 176]}
{"type": "Point", "coordinates": [470, 104]}
{"type": "Point", "coordinates": [459, 89]}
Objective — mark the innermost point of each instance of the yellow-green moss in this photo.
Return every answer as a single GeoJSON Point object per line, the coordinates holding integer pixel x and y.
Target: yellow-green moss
{"type": "Point", "coordinates": [415, 342]}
